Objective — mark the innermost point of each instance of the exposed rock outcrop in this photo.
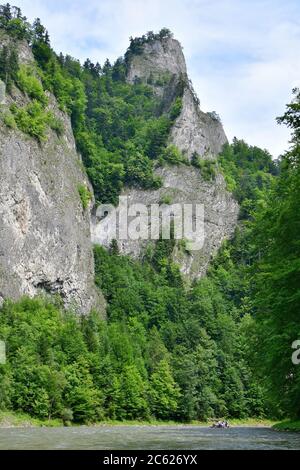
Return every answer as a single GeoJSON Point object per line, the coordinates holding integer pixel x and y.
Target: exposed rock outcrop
{"type": "Point", "coordinates": [160, 60]}
{"type": "Point", "coordinates": [162, 65]}
{"type": "Point", "coordinates": [196, 131]}
{"type": "Point", "coordinates": [44, 231]}
{"type": "Point", "coordinates": [181, 185]}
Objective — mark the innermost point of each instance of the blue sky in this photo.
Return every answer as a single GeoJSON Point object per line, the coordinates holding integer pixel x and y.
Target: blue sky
{"type": "Point", "coordinates": [242, 55]}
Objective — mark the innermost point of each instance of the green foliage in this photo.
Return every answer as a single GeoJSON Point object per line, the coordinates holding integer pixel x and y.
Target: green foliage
{"type": "Point", "coordinates": [132, 402]}
{"type": "Point", "coordinates": [167, 199]}
{"type": "Point", "coordinates": [46, 352]}
{"type": "Point", "coordinates": [276, 278]}
{"type": "Point", "coordinates": [67, 416]}
{"type": "Point", "coordinates": [9, 66]}
{"type": "Point", "coordinates": [176, 109]}
{"type": "Point", "coordinates": [183, 245]}
{"type": "Point", "coordinates": [172, 155]}
{"type": "Point", "coordinates": [118, 127]}
{"type": "Point", "coordinates": [139, 172]}
{"type": "Point", "coordinates": [30, 84]}
{"type": "Point", "coordinates": [85, 196]}
{"type": "Point", "coordinates": [164, 393]}
{"type": "Point", "coordinates": [55, 123]}
{"type": "Point", "coordinates": [207, 167]}
{"type": "Point", "coordinates": [161, 80]}
{"type": "Point", "coordinates": [192, 342]}
{"type": "Point", "coordinates": [248, 170]}
{"type": "Point", "coordinates": [9, 120]}
{"type": "Point", "coordinates": [12, 21]}
{"type": "Point", "coordinates": [215, 116]}
{"type": "Point", "coordinates": [33, 120]}
{"type": "Point", "coordinates": [137, 44]}
{"type": "Point", "coordinates": [114, 247]}
{"type": "Point", "coordinates": [259, 274]}
{"type": "Point", "coordinates": [221, 347]}
{"type": "Point", "coordinates": [117, 142]}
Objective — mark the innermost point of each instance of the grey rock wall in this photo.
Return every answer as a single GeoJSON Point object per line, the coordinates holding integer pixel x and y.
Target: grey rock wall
{"type": "Point", "coordinates": [182, 185]}
{"type": "Point", "coordinates": [194, 130]}
{"type": "Point", "coordinates": [44, 231]}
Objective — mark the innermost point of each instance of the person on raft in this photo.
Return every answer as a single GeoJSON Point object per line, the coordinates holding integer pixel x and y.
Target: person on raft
{"type": "Point", "coordinates": [221, 424]}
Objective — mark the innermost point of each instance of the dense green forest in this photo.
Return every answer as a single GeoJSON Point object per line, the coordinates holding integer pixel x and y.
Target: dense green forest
{"type": "Point", "coordinates": [168, 350]}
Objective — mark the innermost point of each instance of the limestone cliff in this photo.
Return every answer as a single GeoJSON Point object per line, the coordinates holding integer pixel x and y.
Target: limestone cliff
{"type": "Point", "coordinates": [44, 231]}
{"type": "Point", "coordinates": [181, 185]}
{"type": "Point", "coordinates": [162, 65]}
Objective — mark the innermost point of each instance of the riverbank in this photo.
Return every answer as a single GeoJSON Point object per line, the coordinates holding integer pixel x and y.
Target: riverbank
{"type": "Point", "coordinates": [293, 426]}
{"type": "Point", "coordinates": [22, 420]}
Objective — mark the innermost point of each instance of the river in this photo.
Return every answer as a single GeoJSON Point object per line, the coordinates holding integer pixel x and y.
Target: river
{"type": "Point", "coordinates": [146, 437]}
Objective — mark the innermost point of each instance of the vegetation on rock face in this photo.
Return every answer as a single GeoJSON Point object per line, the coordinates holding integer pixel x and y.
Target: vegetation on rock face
{"type": "Point", "coordinates": [172, 155]}
{"type": "Point", "coordinates": [276, 281]}
{"type": "Point", "coordinates": [85, 195]}
{"type": "Point", "coordinates": [167, 200]}
{"type": "Point", "coordinates": [30, 84]}
{"type": "Point", "coordinates": [9, 66]}
{"type": "Point", "coordinates": [33, 118]}
{"type": "Point", "coordinates": [118, 127]}
{"type": "Point", "coordinates": [137, 44]}
{"type": "Point", "coordinates": [207, 167]}
{"type": "Point", "coordinates": [268, 248]}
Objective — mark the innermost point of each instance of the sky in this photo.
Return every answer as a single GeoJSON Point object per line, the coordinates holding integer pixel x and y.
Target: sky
{"type": "Point", "coordinates": [242, 55]}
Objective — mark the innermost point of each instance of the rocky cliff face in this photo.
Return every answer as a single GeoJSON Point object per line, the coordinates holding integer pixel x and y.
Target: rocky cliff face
{"type": "Point", "coordinates": [44, 231]}
{"type": "Point", "coordinates": [160, 60]}
{"type": "Point", "coordinates": [162, 65]}
{"type": "Point", "coordinates": [196, 131]}
{"type": "Point", "coordinates": [181, 185]}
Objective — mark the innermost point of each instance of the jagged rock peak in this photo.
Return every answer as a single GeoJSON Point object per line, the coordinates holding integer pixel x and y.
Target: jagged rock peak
{"type": "Point", "coordinates": [155, 58]}
{"type": "Point", "coordinates": [160, 62]}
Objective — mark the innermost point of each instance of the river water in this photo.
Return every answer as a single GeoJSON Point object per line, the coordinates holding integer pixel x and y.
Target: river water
{"type": "Point", "coordinates": [146, 437]}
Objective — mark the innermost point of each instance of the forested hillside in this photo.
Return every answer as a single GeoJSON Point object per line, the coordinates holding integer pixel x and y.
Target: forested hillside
{"type": "Point", "coordinates": [166, 352]}
{"type": "Point", "coordinates": [276, 276]}
{"type": "Point", "coordinates": [220, 347]}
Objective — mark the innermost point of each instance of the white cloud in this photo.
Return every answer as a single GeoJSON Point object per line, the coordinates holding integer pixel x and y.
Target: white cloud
{"type": "Point", "coordinates": [242, 54]}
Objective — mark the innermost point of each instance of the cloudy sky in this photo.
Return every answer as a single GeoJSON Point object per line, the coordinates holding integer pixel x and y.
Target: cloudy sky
{"type": "Point", "coordinates": [242, 55]}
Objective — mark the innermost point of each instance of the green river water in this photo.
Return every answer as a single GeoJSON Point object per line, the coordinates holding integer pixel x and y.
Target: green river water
{"type": "Point", "coordinates": [146, 437]}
